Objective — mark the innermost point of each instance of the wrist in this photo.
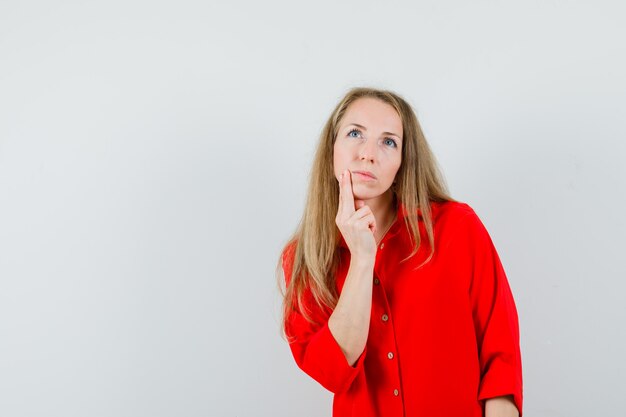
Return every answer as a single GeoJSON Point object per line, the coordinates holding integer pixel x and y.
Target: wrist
{"type": "Point", "coordinates": [362, 263]}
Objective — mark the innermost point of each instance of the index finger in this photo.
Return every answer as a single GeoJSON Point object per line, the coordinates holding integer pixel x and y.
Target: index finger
{"type": "Point", "coordinates": [347, 198]}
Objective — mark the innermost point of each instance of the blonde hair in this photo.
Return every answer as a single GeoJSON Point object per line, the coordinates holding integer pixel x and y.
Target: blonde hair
{"type": "Point", "coordinates": [311, 253]}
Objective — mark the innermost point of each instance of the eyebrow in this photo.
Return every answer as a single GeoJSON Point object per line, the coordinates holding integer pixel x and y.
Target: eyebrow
{"type": "Point", "coordinates": [384, 133]}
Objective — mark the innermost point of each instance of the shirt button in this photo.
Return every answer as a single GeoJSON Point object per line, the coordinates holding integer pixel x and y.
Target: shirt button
{"type": "Point", "coordinates": [385, 317]}
{"type": "Point", "coordinates": [382, 245]}
{"type": "Point", "coordinates": [376, 281]}
{"type": "Point", "coordinates": [396, 392]}
{"type": "Point", "coordinates": [390, 355]}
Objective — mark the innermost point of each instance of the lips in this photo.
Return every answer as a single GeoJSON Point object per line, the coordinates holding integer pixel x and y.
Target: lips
{"type": "Point", "coordinates": [366, 173]}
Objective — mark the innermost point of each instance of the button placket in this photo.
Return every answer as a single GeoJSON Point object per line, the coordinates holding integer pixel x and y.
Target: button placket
{"type": "Point", "coordinates": [391, 362]}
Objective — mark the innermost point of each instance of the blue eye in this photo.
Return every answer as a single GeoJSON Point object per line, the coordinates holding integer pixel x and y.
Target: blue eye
{"type": "Point", "coordinates": [354, 130]}
{"type": "Point", "coordinates": [395, 145]}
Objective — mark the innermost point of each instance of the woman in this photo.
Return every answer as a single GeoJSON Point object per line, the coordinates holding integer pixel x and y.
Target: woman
{"type": "Point", "coordinates": [395, 298]}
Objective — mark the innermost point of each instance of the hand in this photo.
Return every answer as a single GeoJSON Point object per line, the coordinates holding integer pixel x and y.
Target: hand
{"type": "Point", "coordinates": [355, 221]}
{"type": "Point", "coordinates": [502, 406]}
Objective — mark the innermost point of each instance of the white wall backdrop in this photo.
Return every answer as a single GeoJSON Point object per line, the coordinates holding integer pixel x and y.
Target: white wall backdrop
{"type": "Point", "coordinates": [154, 157]}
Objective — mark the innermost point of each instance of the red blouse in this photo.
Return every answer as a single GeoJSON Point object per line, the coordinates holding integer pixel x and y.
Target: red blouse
{"type": "Point", "coordinates": [442, 338]}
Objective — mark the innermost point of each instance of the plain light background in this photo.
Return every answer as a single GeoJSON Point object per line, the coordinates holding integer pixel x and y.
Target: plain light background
{"type": "Point", "coordinates": [154, 158]}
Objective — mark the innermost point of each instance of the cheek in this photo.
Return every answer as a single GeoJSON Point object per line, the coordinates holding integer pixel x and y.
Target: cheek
{"type": "Point", "coordinates": [395, 168]}
{"type": "Point", "coordinates": [339, 158]}
{"type": "Point", "coordinates": [398, 161]}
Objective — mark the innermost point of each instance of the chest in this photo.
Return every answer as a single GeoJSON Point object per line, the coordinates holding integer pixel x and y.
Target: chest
{"type": "Point", "coordinates": [433, 289]}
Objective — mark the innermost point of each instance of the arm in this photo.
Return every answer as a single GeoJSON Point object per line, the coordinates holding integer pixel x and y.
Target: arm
{"type": "Point", "coordinates": [495, 321]}
{"type": "Point", "coordinates": [314, 347]}
{"type": "Point", "coordinates": [350, 320]}
{"type": "Point", "coordinates": [501, 407]}
{"type": "Point", "coordinates": [333, 354]}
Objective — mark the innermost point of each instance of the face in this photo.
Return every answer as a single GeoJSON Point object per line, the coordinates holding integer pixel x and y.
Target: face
{"type": "Point", "coordinates": [369, 139]}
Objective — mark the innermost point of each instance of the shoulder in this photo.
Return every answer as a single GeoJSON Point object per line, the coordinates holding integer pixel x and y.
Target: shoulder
{"type": "Point", "coordinates": [287, 257]}
{"type": "Point", "coordinates": [458, 219]}
{"type": "Point", "coordinates": [453, 211]}
{"type": "Point", "coordinates": [289, 253]}
{"type": "Point", "coordinates": [289, 250]}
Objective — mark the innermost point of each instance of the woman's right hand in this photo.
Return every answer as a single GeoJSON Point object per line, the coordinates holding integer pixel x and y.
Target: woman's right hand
{"type": "Point", "coordinates": [355, 221]}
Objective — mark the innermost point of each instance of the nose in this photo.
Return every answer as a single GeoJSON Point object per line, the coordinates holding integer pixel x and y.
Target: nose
{"type": "Point", "coordinates": [367, 151]}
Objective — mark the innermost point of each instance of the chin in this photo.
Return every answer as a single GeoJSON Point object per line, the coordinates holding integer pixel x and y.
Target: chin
{"type": "Point", "coordinates": [364, 193]}
{"type": "Point", "coordinates": [365, 196]}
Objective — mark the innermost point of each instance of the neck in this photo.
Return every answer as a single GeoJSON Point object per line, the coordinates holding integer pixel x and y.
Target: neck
{"type": "Point", "coordinates": [384, 212]}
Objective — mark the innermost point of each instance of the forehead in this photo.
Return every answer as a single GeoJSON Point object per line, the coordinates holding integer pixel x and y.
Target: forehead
{"type": "Point", "coordinates": [373, 113]}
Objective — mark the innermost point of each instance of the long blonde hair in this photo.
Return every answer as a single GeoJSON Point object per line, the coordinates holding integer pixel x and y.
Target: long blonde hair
{"type": "Point", "coordinates": [311, 253]}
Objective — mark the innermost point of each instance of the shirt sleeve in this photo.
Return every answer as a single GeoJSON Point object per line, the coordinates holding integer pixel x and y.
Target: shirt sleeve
{"type": "Point", "coordinates": [314, 347]}
{"type": "Point", "coordinates": [495, 318]}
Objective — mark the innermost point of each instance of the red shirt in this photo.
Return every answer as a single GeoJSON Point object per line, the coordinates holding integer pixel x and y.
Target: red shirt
{"type": "Point", "coordinates": [442, 338]}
